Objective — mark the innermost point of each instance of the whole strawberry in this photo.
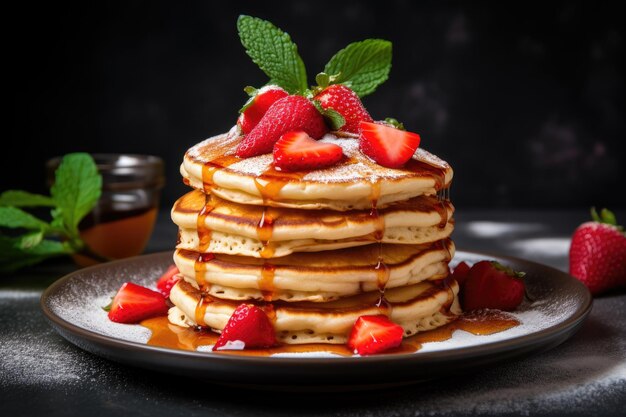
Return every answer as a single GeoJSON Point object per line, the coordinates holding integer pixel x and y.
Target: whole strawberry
{"type": "Point", "coordinates": [258, 104]}
{"type": "Point", "coordinates": [597, 255]}
{"type": "Point", "coordinates": [490, 284]}
{"type": "Point", "coordinates": [347, 103]}
{"type": "Point", "coordinates": [288, 114]}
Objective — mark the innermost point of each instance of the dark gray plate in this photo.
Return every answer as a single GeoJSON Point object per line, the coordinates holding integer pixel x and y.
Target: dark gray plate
{"type": "Point", "coordinates": [72, 305]}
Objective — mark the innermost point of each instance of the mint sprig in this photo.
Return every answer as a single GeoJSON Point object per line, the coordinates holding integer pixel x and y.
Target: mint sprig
{"type": "Point", "coordinates": [362, 66]}
{"type": "Point", "coordinates": [17, 198]}
{"type": "Point", "coordinates": [274, 52]}
{"type": "Point", "coordinates": [76, 191]}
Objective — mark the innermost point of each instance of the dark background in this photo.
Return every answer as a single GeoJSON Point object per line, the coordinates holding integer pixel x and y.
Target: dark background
{"type": "Point", "coordinates": [525, 101]}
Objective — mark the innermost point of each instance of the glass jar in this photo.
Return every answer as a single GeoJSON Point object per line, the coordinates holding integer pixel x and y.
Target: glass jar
{"type": "Point", "coordinates": [121, 223]}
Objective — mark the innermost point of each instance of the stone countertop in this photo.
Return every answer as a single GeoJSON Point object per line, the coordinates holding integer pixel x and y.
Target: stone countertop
{"type": "Point", "coordinates": [42, 374]}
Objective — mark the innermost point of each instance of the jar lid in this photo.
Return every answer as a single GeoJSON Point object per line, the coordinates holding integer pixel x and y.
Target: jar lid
{"type": "Point", "coordinates": [121, 171]}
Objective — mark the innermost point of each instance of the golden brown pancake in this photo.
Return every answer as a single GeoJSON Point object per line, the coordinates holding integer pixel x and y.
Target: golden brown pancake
{"type": "Point", "coordinates": [240, 229]}
{"type": "Point", "coordinates": [416, 308]}
{"type": "Point", "coordinates": [351, 184]}
{"type": "Point", "coordinates": [309, 276]}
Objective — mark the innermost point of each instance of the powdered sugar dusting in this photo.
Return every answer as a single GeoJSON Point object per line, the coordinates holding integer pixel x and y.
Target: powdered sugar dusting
{"type": "Point", "coordinates": [82, 300]}
{"type": "Point", "coordinates": [356, 167]}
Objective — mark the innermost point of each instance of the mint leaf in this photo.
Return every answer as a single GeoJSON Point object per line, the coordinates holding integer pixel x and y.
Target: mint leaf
{"type": "Point", "coordinates": [18, 198]}
{"type": "Point", "coordinates": [13, 217]}
{"type": "Point", "coordinates": [362, 66]}
{"type": "Point", "coordinates": [13, 257]}
{"type": "Point", "coordinates": [76, 189]}
{"type": "Point", "coordinates": [30, 240]}
{"type": "Point", "coordinates": [274, 52]}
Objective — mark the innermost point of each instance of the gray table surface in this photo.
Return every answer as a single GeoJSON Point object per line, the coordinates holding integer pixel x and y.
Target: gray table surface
{"type": "Point", "coordinates": [42, 374]}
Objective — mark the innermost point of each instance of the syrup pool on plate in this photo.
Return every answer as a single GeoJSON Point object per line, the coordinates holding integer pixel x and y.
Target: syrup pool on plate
{"type": "Point", "coordinates": [480, 323]}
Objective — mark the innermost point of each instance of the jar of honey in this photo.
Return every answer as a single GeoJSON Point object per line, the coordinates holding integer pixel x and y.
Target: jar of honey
{"type": "Point", "coordinates": [121, 223]}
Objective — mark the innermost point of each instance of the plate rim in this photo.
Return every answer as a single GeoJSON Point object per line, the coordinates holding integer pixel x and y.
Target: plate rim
{"type": "Point", "coordinates": [498, 346]}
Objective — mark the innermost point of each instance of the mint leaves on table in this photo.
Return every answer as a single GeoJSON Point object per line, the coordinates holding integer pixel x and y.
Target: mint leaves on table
{"type": "Point", "coordinates": [26, 239]}
{"type": "Point", "coordinates": [362, 66]}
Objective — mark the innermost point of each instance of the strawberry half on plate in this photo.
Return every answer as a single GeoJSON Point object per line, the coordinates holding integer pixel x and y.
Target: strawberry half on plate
{"type": "Point", "coordinates": [134, 303]}
{"type": "Point", "coordinates": [374, 334]}
{"type": "Point", "coordinates": [248, 328]}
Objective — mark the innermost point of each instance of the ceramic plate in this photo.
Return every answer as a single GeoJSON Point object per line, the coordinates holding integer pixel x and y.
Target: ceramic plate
{"type": "Point", "coordinates": [73, 307]}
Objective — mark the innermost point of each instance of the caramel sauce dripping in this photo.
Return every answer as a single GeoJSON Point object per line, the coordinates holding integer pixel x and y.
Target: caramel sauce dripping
{"type": "Point", "coordinates": [442, 210]}
{"type": "Point", "coordinates": [271, 182]}
{"type": "Point", "coordinates": [265, 230]}
{"type": "Point", "coordinates": [266, 283]}
{"type": "Point", "coordinates": [480, 323]}
{"type": "Point", "coordinates": [204, 240]}
{"type": "Point", "coordinates": [437, 174]}
{"type": "Point", "coordinates": [211, 167]}
{"type": "Point", "coordinates": [200, 311]}
{"type": "Point", "coordinates": [381, 269]}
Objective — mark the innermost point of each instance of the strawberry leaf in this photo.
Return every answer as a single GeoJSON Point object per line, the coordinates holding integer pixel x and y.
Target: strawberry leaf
{"type": "Point", "coordinates": [395, 123]}
{"type": "Point", "coordinates": [362, 66]}
{"type": "Point", "coordinates": [274, 52]}
{"type": "Point", "coordinates": [608, 217]}
{"type": "Point", "coordinates": [332, 117]}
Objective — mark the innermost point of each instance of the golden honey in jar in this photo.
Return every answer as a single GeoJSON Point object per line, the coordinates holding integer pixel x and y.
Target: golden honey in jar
{"type": "Point", "coordinates": [121, 223]}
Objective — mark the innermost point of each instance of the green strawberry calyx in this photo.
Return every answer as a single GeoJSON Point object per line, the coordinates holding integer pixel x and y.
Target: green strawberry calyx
{"type": "Point", "coordinates": [508, 270]}
{"type": "Point", "coordinates": [605, 217]}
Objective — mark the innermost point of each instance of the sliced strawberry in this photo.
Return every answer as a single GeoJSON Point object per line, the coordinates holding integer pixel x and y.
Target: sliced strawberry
{"type": "Point", "coordinates": [249, 325]}
{"type": "Point", "coordinates": [167, 280]}
{"type": "Point", "coordinates": [492, 285]}
{"type": "Point", "coordinates": [256, 107]}
{"type": "Point", "coordinates": [134, 303]}
{"type": "Point", "coordinates": [347, 103]}
{"type": "Point", "coordinates": [297, 151]}
{"type": "Point", "coordinates": [285, 115]}
{"type": "Point", "coordinates": [460, 273]}
{"type": "Point", "coordinates": [597, 255]}
{"type": "Point", "coordinates": [388, 146]}
{"type": "Point", "coordinates": [374, 334]}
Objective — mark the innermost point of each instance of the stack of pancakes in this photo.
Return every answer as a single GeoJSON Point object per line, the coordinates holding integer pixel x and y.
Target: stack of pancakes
{"type": "Point", "coordinates": [316, 249]}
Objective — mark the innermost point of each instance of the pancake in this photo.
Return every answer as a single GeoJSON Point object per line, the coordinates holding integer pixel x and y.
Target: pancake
{"type": "Point", "coordinates": [239, 229]}
{"type": "Point", "coordinates": [416, 308]}
{"type": "Point", "coordinates": [315, 277]}
{"type": "Point", "coordinates": [354, 183]}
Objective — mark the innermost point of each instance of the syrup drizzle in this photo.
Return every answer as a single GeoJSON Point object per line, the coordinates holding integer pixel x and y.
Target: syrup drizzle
{"type": "Point", "coordinates": [211, 167]}
{"type": "Point", "coordinates": [480, 323]}
{"type": "Point", "coordinates": [271, 182]}
{"type": "Point", "coordinates": [200, 311]}
{"type": "Point", "coordinates": [266, 283]}
{"type": "Point", "coordinates": [381, 270]}
{"type": "Point", "coordinates": [265, 230]}
{"type": "Point", "coordinates": [204, 241]}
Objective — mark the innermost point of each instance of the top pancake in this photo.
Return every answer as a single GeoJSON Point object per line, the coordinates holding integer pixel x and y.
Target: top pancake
{"type": "Point", "coordinates": [355, 183]}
